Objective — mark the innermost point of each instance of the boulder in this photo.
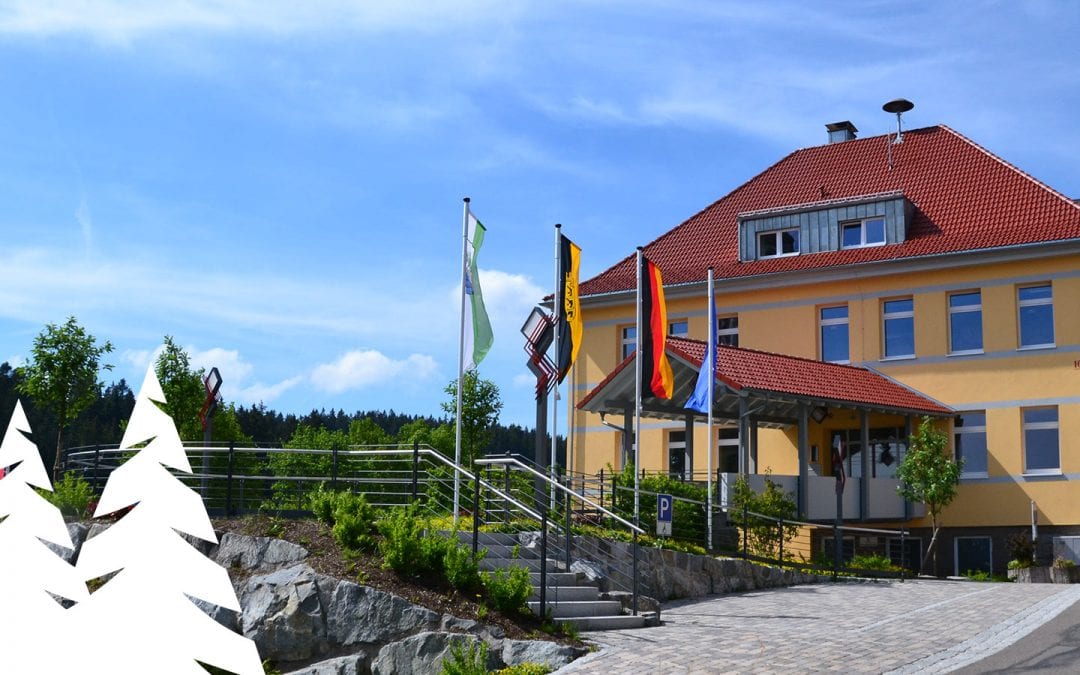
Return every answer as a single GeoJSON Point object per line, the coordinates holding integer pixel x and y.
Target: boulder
{"type": "Point", "coordinates": [226, 617]}
{"type": "Point", "coordinates": [354, 664]}
{"type": "Point", "coordinates": [77, 531]}
{"type": "Point", "coordinates": [424, 653]}
{"type": "Point", "coordinates": [593, 571]}
{"type": "Point", "coordinates": [551, 654]}
{"type": "Point", "coordinates": [253, 553]}
{"type": "Point", "coordinates": [282, 613]}
{"type": "Point", "coordinates": [358, 614]}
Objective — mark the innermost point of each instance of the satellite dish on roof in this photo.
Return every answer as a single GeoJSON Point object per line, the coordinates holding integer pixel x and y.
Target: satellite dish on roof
{"type": "Point", "coordinates": [898, 106]}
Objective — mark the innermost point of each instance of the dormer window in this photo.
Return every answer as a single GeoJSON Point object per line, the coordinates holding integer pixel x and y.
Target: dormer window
{"type": "Point", "coordinates": [778, 243]}
{"type": "Point", "coordinates": [865, 232]}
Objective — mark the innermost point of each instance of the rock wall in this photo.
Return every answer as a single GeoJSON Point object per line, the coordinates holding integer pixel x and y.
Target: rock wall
{"type": "Point", "coordinates": [672, 575]}
{"type": "Point", "coordinates": [312, 624]}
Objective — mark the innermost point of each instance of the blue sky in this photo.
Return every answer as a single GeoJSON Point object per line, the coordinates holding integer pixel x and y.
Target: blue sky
{"type": "Point", "coordinates": [278, 184]}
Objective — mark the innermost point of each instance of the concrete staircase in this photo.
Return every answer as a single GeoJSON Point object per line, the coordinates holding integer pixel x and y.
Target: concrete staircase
{"type": "Point", "coordinates": [570, 598]}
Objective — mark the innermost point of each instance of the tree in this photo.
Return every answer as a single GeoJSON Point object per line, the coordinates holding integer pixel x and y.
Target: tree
{"type": "Point", "coordinates": [63, 375]}
{"type": "Point", "coordinates": [480, 407]}
{"type": "Point", "coordinates": [184, 390]}
{"type": "Point", "coordinates": [929, 476]}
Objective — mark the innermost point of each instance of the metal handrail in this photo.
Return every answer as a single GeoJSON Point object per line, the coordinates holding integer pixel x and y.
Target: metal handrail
{"type": "Point", "coordinates": [504, 461]}
{"type": "Point", "coordinates": [446, 461]}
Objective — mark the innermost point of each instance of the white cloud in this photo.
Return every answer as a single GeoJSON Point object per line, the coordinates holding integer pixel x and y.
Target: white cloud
{"type": "Point", "coordinates": [228, 362]}
{"type": "Point", "coordinates": [362, 368]}
{"type": "Point", "coordinates": [265, 393]}
{"type": "Point", "coordinates": [140, 359]}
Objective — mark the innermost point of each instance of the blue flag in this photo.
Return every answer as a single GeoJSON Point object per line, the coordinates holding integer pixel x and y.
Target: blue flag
{"type": "Point", "coordinates": [699, 400]}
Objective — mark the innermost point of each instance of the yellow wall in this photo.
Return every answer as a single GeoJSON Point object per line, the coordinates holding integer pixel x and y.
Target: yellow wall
{"type": "Point", "coordinates": [1000, 381]}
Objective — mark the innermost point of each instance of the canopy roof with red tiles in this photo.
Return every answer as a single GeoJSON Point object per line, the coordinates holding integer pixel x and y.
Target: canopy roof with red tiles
{"type": "Point", "coordinates": [965, 199]}
{"type": "Point", "coordinates": [779, 382]}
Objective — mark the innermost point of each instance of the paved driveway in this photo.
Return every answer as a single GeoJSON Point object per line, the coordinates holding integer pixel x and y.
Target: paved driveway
{"type": "Point", "coordinates": [873, 627]}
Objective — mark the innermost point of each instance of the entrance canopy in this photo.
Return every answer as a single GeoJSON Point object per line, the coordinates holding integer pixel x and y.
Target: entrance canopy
{"type": "Point", "coordinates": [773, 386]}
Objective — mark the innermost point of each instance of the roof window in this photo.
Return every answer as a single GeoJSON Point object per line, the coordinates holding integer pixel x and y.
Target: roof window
{"type": "Point", "coordinates": [865, 232]}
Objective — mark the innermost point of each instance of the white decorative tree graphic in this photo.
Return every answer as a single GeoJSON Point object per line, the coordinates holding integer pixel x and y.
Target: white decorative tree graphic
{"type": "Point", "coordinates": [30, 618]}
{"type": "Point", "coordinates": [143, 620]}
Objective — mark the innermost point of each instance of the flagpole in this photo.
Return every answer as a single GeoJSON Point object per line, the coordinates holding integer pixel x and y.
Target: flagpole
{"type": "Point", "coordinates": [461, 360]}
{"type": "Point", "coordinates": [558, 365]}
{"type": "Point", "coordinates": [711, 349]}
{"type": "Point", "coordinates": [637, 400]}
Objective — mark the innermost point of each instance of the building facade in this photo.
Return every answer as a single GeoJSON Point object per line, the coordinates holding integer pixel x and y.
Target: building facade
{"type": "Point", "coordinates": [925, 260]}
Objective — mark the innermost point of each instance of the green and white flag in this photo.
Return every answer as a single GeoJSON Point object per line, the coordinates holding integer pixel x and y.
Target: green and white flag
{"type": "Point", "coordinates": [478, 340]}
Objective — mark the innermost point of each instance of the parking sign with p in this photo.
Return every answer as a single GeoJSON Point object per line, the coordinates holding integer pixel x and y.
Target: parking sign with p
{"type": "Point", "coordinates": [664, 509]}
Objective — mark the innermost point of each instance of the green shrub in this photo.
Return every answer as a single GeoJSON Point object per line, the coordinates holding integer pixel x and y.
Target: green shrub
{"type": "Point", "coordinates": [978, 575]}
{"type": "Point", "coordinates": [352, 519]}
{"type": "Point", "coordinates": [525, 669]}
{"type": "Point", "coordinates": [322, 503]}
{"type": "Point", "coordinates": [508, 589]}
{"type": "Point", "coordinates": [1063, 563]}
{"type": "Point", "coordinates": [1023, 563]}
{"type": "Point", "coordinates": [467, 658]}
{"type": "Point", "coordinates": [462, 568]}
{"type": "Point", "coordinates": [400, 547]}
{"type": "Point", "coordinates": [872, 562]}
{"type": "Point", "coordinates": [1021, 547]}
{"type": "Point", "coordinates": [763, 534]}
{"type": "Point", "coordinates": [72, 494]}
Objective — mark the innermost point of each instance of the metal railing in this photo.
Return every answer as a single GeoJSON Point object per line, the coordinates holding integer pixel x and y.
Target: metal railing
{"type": "Point", "coordinates": [564, 501]}
{"type": "Point", "coordinates": [238, 480]}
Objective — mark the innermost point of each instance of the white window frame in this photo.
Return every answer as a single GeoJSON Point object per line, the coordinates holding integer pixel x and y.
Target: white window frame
{"type": "Point", "coordinates": [822, 323]}
{"type": "Point", "coordinates": [778, 236]}
{"type": "Point", "coordinates": [963, 310]}
{"type": "Point", "coordinates": [863, 243]}
{"type": "Point", "coordinates": [1037, 426]}
{"type": "Point", "coordinates": [893, 316]}
{"type": "Point", "coordinates": [1020, 304]}
{"type": "Point", "coordinates": [680, 446]}
{"type": "Point", "coordinates": [956, 552]}
{"type": "Point", "coordinates": [625, 341]}
{"type": "Point", "coordinates": [724, 335]}
{"type": "Point", "coordinates": [967, 429]}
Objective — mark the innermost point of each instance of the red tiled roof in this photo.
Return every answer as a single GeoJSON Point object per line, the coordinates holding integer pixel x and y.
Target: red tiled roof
{"type": "Point", "coordinates": [754, 370]}
{"type": "Point", "coordinates": [965, 198]}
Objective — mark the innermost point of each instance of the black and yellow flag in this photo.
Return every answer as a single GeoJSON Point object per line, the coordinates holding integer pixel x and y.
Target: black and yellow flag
{"type": "Point", "coordinates": [656, 376]}
{"type": "Point", "coordinates": [570, 323]}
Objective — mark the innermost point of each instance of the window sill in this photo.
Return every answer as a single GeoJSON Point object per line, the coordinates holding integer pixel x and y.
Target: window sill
{"type": "Point", "coordinates": [778, 255]}
{"type": "Point", "coordinates": [975, 476]}
{"type": "Point", "coordinates": [905, 357]}
{"type": "Point", "coordinates": [967, 352]}
{"type": "Point", "coordinates": [1028, 348]}
{"type": "Point", "coordinates": [1043, 473]}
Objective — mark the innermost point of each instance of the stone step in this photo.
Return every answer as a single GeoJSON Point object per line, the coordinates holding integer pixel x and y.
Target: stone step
{"type": "Point", "coordinates": [532, 565]}
{"type": "Point", "coordinates": [578, 608]}
{"type": "Point", "coordinates": [564, 593]}
{"type": "Point", "coordinates": [510, 552]}
{"type": "Point", "coordinates": [613, 622]}
{"type": "Point", "coordinates": [557, 579]}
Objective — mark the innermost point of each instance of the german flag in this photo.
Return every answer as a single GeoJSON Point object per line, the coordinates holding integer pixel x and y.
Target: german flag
{"type": "Point", "coordinates": [656, 373]}
{"type": "Point", "coordinates": [570, 323]}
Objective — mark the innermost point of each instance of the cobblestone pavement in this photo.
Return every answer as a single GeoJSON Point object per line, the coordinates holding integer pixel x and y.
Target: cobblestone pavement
{"type": "Point", "coordinates": [870, 627]}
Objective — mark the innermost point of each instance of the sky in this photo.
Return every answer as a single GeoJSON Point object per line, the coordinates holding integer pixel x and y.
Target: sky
{"type": "Point", "coordinates": [278, 185]}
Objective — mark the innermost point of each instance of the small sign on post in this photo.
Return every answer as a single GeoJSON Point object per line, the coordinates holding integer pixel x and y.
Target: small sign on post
{"type": "Point", "coordinates": [665, 508]}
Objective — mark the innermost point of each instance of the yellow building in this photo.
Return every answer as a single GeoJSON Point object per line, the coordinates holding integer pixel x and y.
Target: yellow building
{"type": "Point", "coordinates": [927, 266]}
